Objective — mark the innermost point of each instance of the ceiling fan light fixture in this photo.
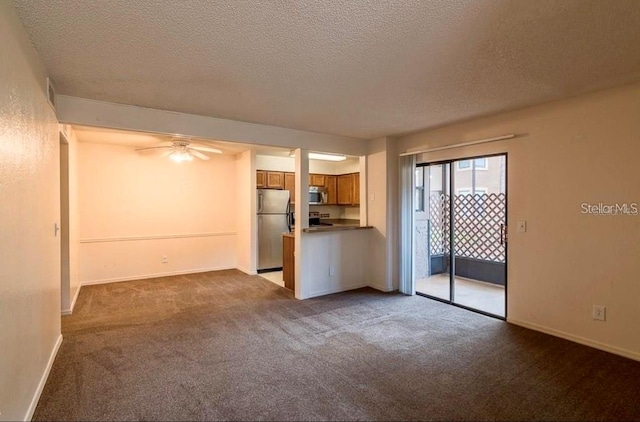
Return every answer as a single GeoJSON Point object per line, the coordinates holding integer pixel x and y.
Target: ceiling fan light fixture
{"type": "Point", "coordinates": [180, 156]}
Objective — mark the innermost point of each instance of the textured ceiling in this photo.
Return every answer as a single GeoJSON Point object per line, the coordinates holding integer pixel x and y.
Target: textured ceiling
{"type": "Point", "coordinates": [354, 68]}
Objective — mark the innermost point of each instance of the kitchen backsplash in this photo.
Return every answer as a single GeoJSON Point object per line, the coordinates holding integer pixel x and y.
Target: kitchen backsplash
{"type": "Point", "coordinates": [335, 211]}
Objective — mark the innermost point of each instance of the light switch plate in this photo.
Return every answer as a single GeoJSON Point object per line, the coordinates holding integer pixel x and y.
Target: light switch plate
{"type": "Point", "coordinates": [522, 226]}
{"type": "Point", "coordinates": [599, 312]}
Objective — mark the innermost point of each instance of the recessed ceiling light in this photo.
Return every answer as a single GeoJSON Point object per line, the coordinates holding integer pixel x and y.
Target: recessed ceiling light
{"type": "Point", "coordinates": [321, 156]}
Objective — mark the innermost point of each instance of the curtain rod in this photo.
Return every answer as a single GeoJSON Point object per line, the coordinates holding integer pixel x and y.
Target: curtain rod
{"type": "Point", "coordinates": [464, 144]}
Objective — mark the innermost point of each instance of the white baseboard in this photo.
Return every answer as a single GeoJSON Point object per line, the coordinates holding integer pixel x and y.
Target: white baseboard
{"type": "Point", "coordinates": [567, 336]}
{"type": "Point", "coordinates": [73, 302]}
{"type": "Point", "coordinates": [246, 271]}
{"type": "Point", "coordinates": [385, 289]}
{"type": "Point", "coordinates": [43, 380]}
{"type": "Point", "coordinates": [164, 274]}
{"type": "Point", "coordinates": [336, 290]}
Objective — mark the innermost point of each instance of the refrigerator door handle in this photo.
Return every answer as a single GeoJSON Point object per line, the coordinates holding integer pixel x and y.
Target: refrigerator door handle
{"type": "Point", "coordinates": [288, 216]}
{"type": "Point", "coordinates": [260, 202]}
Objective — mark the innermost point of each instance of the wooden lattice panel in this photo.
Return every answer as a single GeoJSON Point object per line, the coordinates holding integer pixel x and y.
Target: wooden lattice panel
{"type": "Point", "coordinates": [478, 226]}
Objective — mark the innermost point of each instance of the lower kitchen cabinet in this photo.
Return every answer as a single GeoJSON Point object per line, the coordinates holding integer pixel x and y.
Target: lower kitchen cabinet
{"type": "Point", "coordinates": [289, 262]}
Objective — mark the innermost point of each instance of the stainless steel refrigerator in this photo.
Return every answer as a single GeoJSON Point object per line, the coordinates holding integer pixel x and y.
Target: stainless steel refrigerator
{"type": "Point", "coordinates": [273, 221]}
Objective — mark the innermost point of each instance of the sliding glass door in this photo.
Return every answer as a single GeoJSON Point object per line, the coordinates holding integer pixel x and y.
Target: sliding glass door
{"type": "Point", "coordinates": [460, 233]}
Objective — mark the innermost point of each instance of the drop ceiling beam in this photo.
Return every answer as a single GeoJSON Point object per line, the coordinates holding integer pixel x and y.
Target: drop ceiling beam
{"type": "Point", "coordinates": [81, 111]}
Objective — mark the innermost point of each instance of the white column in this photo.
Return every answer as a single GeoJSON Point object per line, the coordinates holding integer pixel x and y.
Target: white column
{"type": "Point", "coordinates": [302, 220]}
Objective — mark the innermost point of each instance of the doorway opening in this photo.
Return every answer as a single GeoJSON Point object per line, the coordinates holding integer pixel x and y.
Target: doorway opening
{"type": "Point", "coordinates": [65, 266]}
{"type": "Point", "coordinates": [461, 233]}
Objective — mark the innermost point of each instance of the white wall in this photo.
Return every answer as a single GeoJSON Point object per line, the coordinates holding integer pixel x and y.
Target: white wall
{"type": "Point", "coordinates": [70, 290]}
{"type": "Point", "coordinates": [581, 150]}
{"type": "Point", "coordinates": [382, 205]}
{"type": "Point", "coordinates": [346, 252]}
{"type": "Point", "coordinates": [246, 211]}
{"type": "Point", "coordinates": [81, 111]}
{"type": "Point", "coordinates": [268, 162]}
{"type": "Point", "coordinates": [29, 252]}
{"type": "Point", "coordinates": [134, 209]}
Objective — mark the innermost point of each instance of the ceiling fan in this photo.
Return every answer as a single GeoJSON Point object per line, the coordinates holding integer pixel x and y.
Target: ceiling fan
{"type": "Point", "coordinates": [183, 149]}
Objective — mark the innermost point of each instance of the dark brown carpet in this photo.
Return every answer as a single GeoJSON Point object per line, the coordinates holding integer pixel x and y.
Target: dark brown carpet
{"type": "Point", "coordinates": [223, 345]}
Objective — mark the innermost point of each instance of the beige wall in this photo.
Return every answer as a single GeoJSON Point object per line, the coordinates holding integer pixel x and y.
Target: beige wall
{"type": "Point", "coordinates": [29, 251]}
{"type": "Point", "coordinates": [581, 150]}
{"type": "Point", "coordinates": [134, 209]}
{"type": "Point", "coordinates": [335, 261]}
{"type": "Point", "coordinates": [246, 211]}
{"type": "Point", "coordinates": [267, 162]}
{"type": "Point", "coordinates": [71, 288]}
{"type": "Point", "coordinates": [382, 204]}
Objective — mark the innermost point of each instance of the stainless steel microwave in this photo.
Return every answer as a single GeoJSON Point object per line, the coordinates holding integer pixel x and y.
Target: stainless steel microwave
{"type": "Point", "coordinates": [317, 195]}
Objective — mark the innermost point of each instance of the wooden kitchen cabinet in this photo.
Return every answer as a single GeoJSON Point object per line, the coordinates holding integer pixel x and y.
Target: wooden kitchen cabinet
{"type": "Point", "coordinates": [261, 179]}
{"type": "Point", "coordinates": [345, 189]}
{"type": "Point", "coordinates": [356, 188]}
{"type": "Point", "coordinates": [316, 179]}
{"type": "Point", "coordinates": [290, 185]}
{"type": "Point", "coordinates": [288, 262]}
{"type": "Point", "coordinates": [349, 189]}
{"type": "Point", "coordinates": [332, 193]}
{"type": "Point", "coordinates": [275, 180]}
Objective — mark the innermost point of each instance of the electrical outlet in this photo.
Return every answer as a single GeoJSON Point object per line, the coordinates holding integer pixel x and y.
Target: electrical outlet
{"type": "Point", "coordinates": [164, 259]}
{"type": "Point", "coordinates": [599, 312]}
{"type": "Point", "coordinates": [332, 271]}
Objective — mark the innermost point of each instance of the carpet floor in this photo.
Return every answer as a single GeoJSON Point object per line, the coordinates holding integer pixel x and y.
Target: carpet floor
{"type": "Point", "coordinates": [227, 346]}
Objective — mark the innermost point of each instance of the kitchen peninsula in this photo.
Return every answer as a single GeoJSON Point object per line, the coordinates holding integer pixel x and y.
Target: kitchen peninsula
{"type": "Point", "coordinates": [288, 244]}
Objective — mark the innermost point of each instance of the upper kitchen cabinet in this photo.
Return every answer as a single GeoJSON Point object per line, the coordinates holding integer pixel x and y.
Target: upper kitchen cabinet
{"type": "Point", "coordinates": [332, 190]}
{"type": "Point", "coordinates": [275, 179]}
{"type": "Point", "coordinates": [355, 182]}
{"type": "Point", "coordinates": [349, 189]}
{"type": "Point", "coordinates": [261, 179]}
{"type": "Point", "coordinates": [290, 185]}
{"type": "Point", "coordinates": [317, 180]}
{"type": "Point", "coordinates": [270, 179]}
{"type": "Point", "coordinates": [345, 189]}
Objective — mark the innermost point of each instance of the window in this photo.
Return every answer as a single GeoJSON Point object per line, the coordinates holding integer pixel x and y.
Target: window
{"type": "Point", "coordinates": [467, 191]}
{"type": "Point", "coordinates": [480, 164]}
{"type": "Point", "coordinates": [419, 194]}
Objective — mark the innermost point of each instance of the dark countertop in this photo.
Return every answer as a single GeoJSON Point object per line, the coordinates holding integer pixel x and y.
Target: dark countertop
{"type": "Point", "coordinates": [337, 224]}
{"type": "Point", "coordinates": [334, 228]}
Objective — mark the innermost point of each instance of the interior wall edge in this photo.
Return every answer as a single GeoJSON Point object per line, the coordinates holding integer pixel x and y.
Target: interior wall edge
{"type": "Point", "coordinates": [383, 289]}
{"type": "Point", "coordinates": [95, 113]}
{"type": "Point", "coordinates": [246, 271]}
{"type": "Point", "coordinates": [73, 302]}
{"type": "Point", "coordinates": [577, 339]}
{"type": "Point", "coordinates": [43, 379]}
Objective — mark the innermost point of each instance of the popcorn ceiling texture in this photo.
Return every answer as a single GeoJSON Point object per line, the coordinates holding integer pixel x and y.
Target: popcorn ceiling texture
{"type": "Point", "coordinates": [355, 68]}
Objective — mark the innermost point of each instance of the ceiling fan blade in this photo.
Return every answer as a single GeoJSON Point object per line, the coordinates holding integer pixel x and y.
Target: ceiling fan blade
{"type": "Point", "coordinates": [198, 154]}
{"type": "Point", "coordinates": [167, 153]}
{"type": "Point", "coordinates": [205, 149]}
{"type": "Point", "coordinates": [148, 148]}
